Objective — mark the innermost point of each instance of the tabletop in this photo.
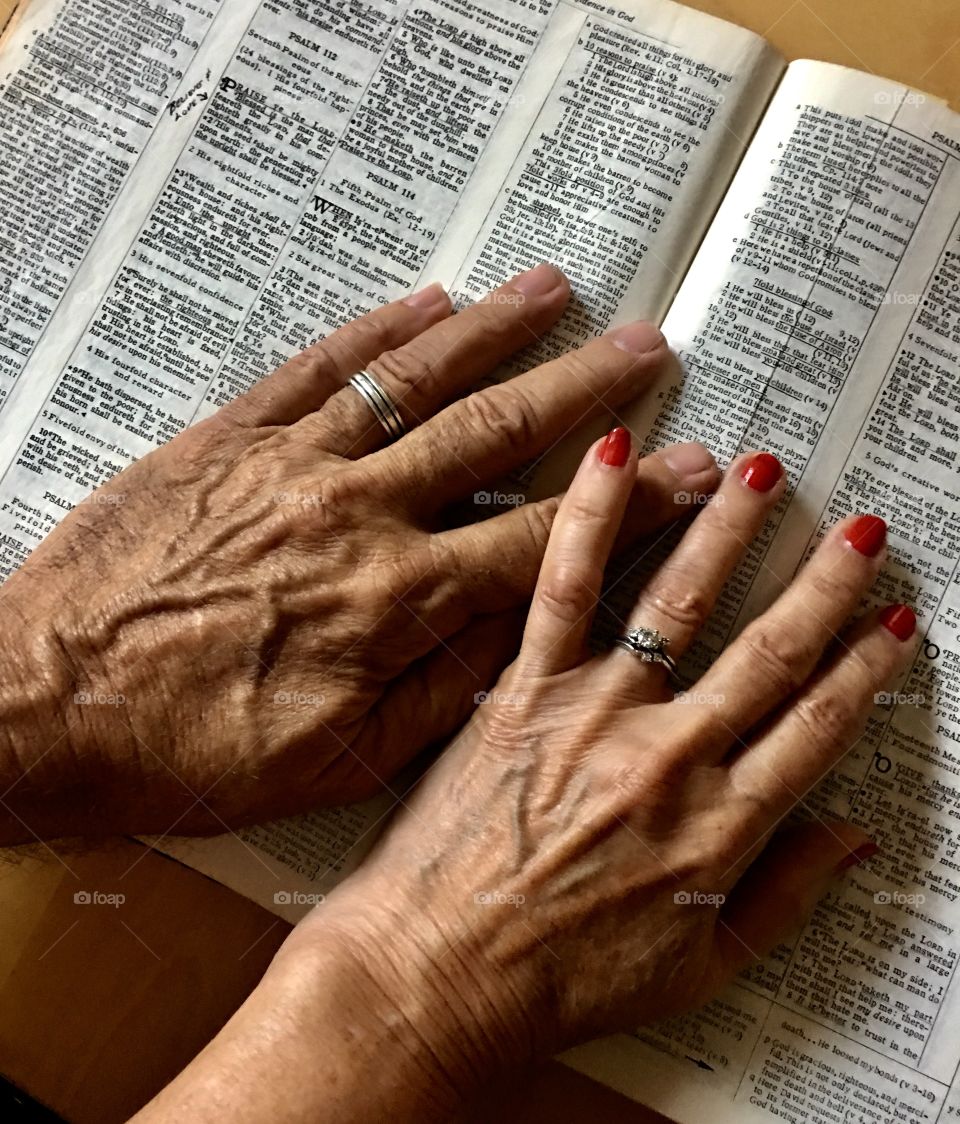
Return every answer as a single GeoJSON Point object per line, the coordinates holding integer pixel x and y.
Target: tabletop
{"type": "Point", "coordinates": [101, 1005]}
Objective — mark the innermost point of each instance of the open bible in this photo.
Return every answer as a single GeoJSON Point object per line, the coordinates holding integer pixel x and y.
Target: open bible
{"type": "Point", "coordinates": [193, 191]}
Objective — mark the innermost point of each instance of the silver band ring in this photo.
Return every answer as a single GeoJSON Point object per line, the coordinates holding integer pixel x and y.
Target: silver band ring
{"type": "Point", "coordinates": [650, 646]}
{"type": "Point", "coordinates": [380, 402]}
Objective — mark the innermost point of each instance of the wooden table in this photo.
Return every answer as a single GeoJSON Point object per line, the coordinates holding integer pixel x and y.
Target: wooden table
{"type": "Point", "coordinates": [99, 1007]}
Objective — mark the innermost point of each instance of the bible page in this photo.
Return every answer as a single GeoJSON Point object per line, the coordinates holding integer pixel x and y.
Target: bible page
{"type": "Point", "coordinates": [821, 321]}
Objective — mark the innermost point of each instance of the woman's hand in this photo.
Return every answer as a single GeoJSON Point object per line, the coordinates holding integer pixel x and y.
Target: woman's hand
{"type": "Point", "coordinates": [593, 853]}
{"type": "Point", "coordinates": [269, 613]}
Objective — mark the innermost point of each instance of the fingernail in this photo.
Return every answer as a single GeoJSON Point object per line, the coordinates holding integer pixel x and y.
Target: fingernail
{"type": "Point", "coordinates": [867, 535]}
{"type": "Point", "coordinates": [901, 620]}
{"type": "Point", "coordinates": [762, 472]}
{"type": "Point", "coordinates": [639, 337]}
{"type": "Point", "coordinates": [686, 461]}
{"type": "Point", "coordinates": [615, 449]}
{"type": "Point", "coordinates": [539, 281]}
{"type": "Point", "coordinates": [431, 295]}
{"type": "Point", "coordinates": [858, 857]}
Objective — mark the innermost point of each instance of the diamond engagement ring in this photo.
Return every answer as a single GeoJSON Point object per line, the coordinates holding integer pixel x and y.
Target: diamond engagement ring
{"type": "Point", "coordinates": [649, 645]}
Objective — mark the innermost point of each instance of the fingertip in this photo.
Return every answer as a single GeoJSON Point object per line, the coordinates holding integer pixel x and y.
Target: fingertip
{"type": "Point", "coordinates": [639, 338]}
{"type": "Point", "coordinates": [760, 472]}
{"type": "Point", "coordinates": [538, 296]}
{"type": "Point", "coordinates": [900, 621]}
{"type": "Point", "coordinates": [614, 451]}
{"type": "Point", "coordinates": [867, 534]}
{"type": "Point", "coordinates": [857, 855]}
{"type": "Point", "coordinates": [544, 280]}
{"type": "Point", "coordinates": [693, 466]}
{"type": "Point", "coordinates": [433, 300]}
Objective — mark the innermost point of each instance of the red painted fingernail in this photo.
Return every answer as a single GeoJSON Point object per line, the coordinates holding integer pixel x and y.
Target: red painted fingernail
{"type": "Point", "coordinates": [616, 448]}
{"type": "Point", "coordinates": [762, 472]}
{"type": "Point", "coordinates": [858, 857]}
{"type": "Point", "coordinates": [867, 535]}
{"type": "Point", "coordinates": [901, 620]}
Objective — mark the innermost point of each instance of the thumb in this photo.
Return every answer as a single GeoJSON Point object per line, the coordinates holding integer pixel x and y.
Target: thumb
{"type": "Point", "coordinates": [779, 892]}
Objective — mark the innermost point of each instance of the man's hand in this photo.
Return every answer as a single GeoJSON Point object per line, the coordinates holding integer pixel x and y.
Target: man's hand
{"type": "Point", "coordinates": [272, 612]}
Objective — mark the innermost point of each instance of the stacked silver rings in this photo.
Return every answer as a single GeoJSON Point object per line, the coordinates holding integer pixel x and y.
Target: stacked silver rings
{"type": "Point", "coordinates": [649, 645]}
{"type": "Point", "coordinates": [380, 402]}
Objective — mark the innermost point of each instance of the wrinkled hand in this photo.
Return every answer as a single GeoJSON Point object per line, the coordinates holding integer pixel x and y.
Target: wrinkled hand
{"type": "Point", "coordinates": [593, 853]}
{"type": "Point", "coordinates": [270, 612]}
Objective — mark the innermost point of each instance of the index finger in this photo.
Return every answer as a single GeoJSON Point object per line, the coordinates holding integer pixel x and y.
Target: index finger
{"type": "Point", "coordinates": [490, 433]}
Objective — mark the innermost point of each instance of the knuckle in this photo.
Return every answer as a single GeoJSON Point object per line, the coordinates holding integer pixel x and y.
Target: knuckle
{"type": "Point", "coordinates": [581, 513]}
{"type": "Point", "coordinates": [835, 586]}
{"type": "Point", "coordinates": [494, 316]}
{"type": "Point", "coordinates": [327, 501]}
{"type": "Point", "coordinates": [782, 660]}
{"type": "Point", "coordinates": [585, 365]}
{"type": "Point", "coordinates": [540, 518]}
{"type": "Point", "coordinates": [827, 720]}
{"type": "Point", "coordinates": [567, 592]}
{"type": "Point", "coordinates": [602, 370]}
{"type": "Point", "coordinates": [313, 363]}
{"type": "Point", "coordinates": [367, 335]}
{"type": "Point", "coordinates": [502, 413]}
{"type": "Point", "coordinates": [403, 369]}
{"type": "Point", "coordinates": [678, 597]}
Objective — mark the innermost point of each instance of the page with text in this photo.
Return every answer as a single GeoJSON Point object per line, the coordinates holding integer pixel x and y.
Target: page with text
{"type": "Point", "coordinates": [821, 321]}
